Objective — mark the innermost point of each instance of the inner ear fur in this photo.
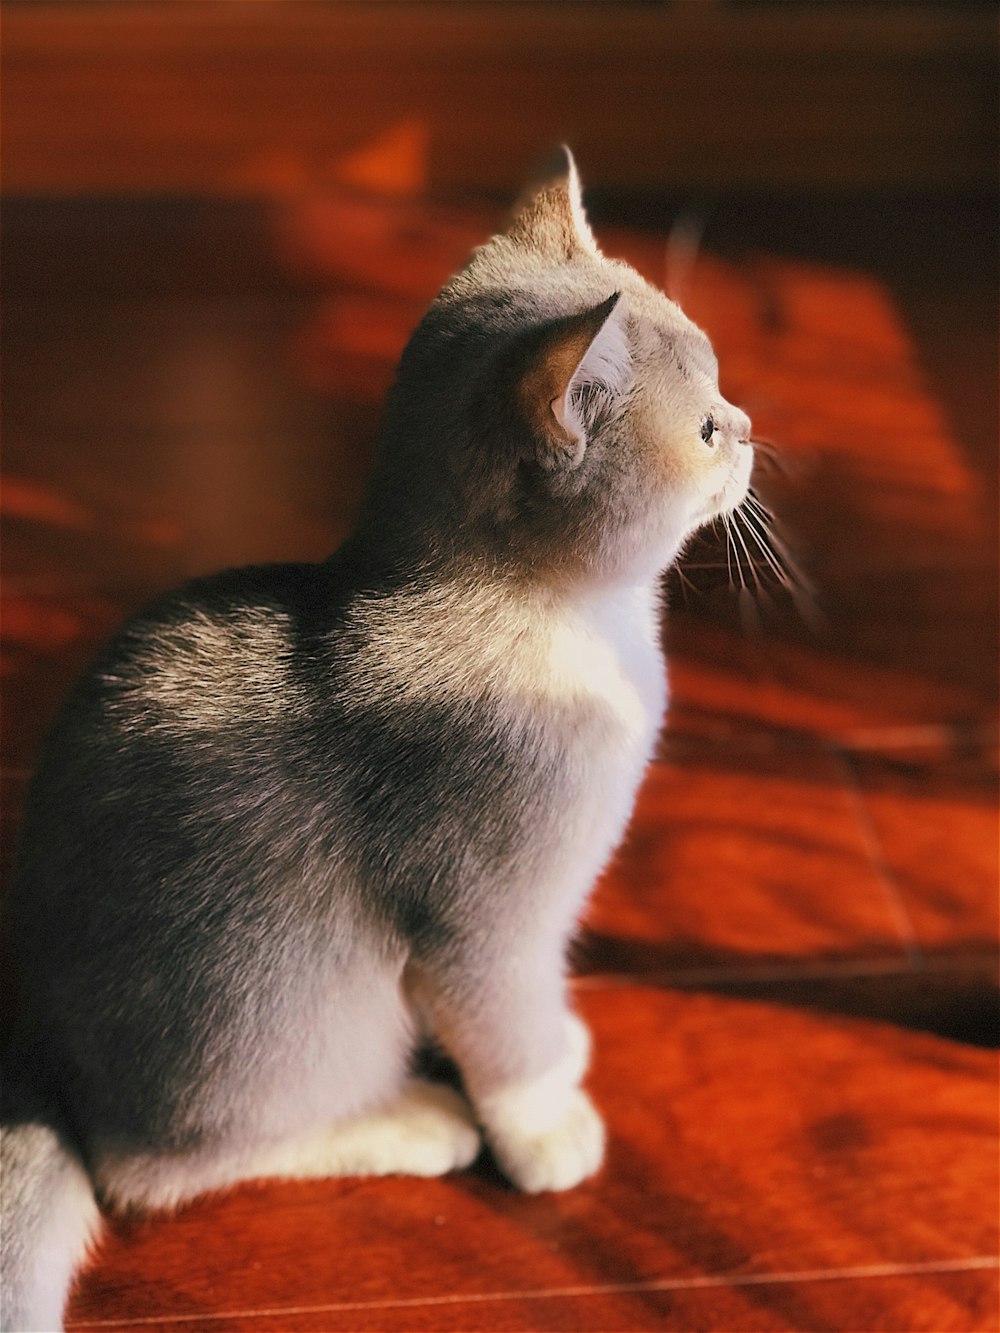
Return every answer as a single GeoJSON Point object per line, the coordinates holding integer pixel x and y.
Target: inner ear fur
{"type": "Point", "coordinates": [586, 348]}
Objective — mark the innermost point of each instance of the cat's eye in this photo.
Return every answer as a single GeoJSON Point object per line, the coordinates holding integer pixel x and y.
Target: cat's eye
{"type": "Point", "coordinates": [707, 430]}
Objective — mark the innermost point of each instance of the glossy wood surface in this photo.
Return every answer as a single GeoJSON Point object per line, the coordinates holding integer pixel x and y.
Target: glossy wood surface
{"type": "Point", "coordinates": [766, 1170]}
{"type": "Point", "coordinates": [789, 967]}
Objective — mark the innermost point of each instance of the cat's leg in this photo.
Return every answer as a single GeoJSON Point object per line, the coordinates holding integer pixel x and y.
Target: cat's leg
{"type": "Point", "coordinates": [426, 1129]}
{"type": "Point", "coordinates": [523, 1054]}
{"type": "Point", "coordinates": [545, 1131]}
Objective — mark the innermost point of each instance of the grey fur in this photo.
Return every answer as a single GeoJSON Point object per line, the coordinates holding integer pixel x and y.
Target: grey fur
{"type": "Point", "coordinates": [297, 815]}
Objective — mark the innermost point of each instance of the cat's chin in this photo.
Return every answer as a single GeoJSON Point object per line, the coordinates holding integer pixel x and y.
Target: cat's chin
{"type": "Point", "coordinates": [733, 492]}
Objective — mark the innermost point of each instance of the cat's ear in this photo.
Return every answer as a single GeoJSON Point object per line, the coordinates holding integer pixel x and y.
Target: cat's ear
{"type": "Point", "coordinates": [550, 218]}
{"type": "Point", "coordinates": [582, 352]}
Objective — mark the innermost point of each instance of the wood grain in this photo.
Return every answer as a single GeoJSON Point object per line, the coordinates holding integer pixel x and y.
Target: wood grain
{"type": "Point", "coordinates": [745, 1141]}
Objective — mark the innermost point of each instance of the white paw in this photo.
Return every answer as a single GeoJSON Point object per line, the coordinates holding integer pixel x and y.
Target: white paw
{"type": "Point", "coordinates": [556, 1158]}
{"type": "Point", "coordinates": [427, 1131]}
{"type": "Point", "coordinates": [430, 1132]}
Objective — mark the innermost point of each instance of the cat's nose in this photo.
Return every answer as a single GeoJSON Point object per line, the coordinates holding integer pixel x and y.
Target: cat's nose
{"type": "Point", "coordinates": [739, 424]}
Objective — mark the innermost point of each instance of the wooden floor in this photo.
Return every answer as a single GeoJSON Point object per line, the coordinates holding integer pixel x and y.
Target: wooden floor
{"type": "Point", "coordinates": [791, 968]}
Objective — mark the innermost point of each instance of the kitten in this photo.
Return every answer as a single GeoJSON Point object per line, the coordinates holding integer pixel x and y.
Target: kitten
{"type": "Point", "coordinates": [298, 818]}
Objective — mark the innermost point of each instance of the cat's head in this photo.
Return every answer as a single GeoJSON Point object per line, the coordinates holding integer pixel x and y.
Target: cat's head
{"type": "Point", "coordinates": [556, 413]}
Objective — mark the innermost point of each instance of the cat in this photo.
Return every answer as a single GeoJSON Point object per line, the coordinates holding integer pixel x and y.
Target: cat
{"type": "Point", "coordinates": [299, 819]}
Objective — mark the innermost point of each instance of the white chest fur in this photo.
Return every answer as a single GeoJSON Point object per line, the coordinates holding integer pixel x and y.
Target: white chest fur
{"type": "Point", "coordinates": [461, 643]}
{"type": "Point", "coordinates": [605, 650]}
{"type": "Point", "coordinates": [601, 657]}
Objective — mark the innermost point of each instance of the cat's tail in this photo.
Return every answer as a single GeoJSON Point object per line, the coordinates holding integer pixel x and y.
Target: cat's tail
{"type": "Point", "coordinates": [49, 1215]}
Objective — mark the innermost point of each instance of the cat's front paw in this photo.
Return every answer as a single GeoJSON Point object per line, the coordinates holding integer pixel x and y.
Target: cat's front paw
{"type": "Point", "coordinates": [556, 1158]}
{"type": "Point", "coordinates": [430, 1131]}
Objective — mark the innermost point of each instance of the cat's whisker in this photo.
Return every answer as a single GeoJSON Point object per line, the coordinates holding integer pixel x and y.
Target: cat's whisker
{"type": "Point", "coordinates": [766, 447]}
{"type": "Point", "coordinates": [686, 584]}
{"type": "Point", "coordinates": [751, 567]}
{"type": "Point", "coordinates": [770, 456]}
{"type": "Point", "coordinates": [756, 557]}
{"type": "Point", "coordinates": [731, 537]}
{"type": "Point", "coordinates": [705, 564]}
{"type": "Point", "coordinates": [799, 587]}
{"type": "Point", "coordinates": [749, 600]}
{"type": "Point", "coordinates": [753, 503]}
{"type": "Point", "coordinates": [762, 531]}
{"type": "Point", "coordinates": [797, 575]}
{"type": "Point", "coordinates": [730, 553]}
{"type": "Point", "coordinates": [759, 538]}
{"type": "Point", "coordinates": [729, 561]}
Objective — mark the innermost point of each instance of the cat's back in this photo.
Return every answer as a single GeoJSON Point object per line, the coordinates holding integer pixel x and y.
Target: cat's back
{"type": "Point", "coordinates": [190, 711]}
{"type": "Point", "coordinates": [217, 651]}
